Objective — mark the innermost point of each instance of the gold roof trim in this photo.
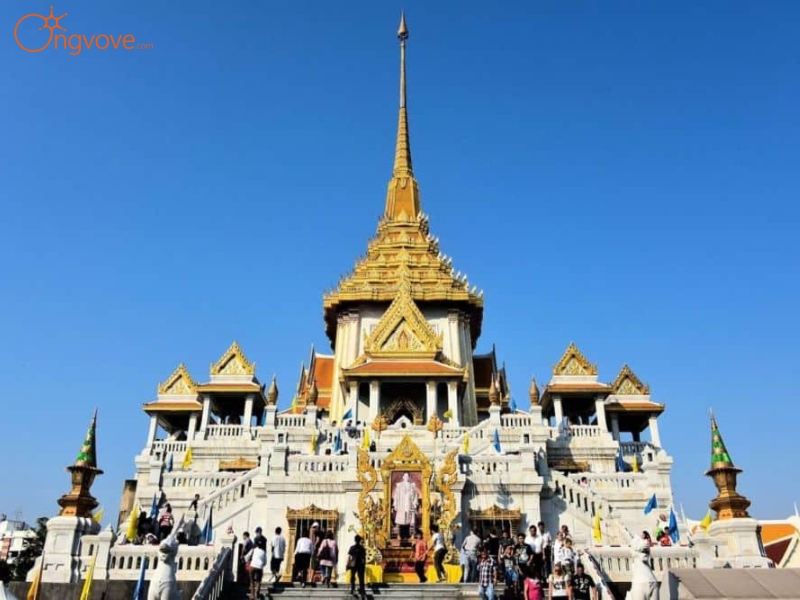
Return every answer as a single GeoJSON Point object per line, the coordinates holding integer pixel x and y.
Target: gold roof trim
{"type": "Point", "coordinates": [240, 463]}
{"type": "Point", "coordinates": [573, 362]}
{"type": "Point", "coordinates": [628, 384]}
{"type": "Point", "coordinates": [233, 362]}
{"type": "Point", "coordinates": [312, 511]}
{"type": "Point", "coordinates": [403, 332]}
{"type": "Point", "coordinates": [495, 512]}
{"type": "Point", "coordinates": [180, 383]}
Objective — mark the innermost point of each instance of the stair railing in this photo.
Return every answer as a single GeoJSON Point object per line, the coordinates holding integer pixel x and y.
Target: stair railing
{"type": "Point", "coordinates": [211, 587]}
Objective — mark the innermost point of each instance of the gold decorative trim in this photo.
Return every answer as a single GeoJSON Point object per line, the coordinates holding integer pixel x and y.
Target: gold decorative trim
{"type": "Point", "coordinates": [240, 463]}
{"type": "Point", "coordinates": [628, 384]}
{"type": "Point", "coordinates": [233, 362]}
{"type": "Point", "coordinates": [371, 512]}
{"type": "Point", "coordinates": [403, 332]}
{"type": "Point", "coordinates": [496, 513]}
{"type": "Point", "coordinates": [180, 383]}
{"type": "Point", "coordinates": [406, 457]}
{"type": "Point", "coordinates": [312, 511]}
{"type": "Point", "coordinates": [573, 362]}
{"type": "Point", "coordinates": [445, 478]}
{"type": "Point", "coordinates": [403, 403]}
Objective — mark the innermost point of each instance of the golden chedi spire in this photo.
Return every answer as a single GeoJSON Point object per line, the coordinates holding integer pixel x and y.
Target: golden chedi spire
{"type": "Point", "coordinates": [533, 392]}
{"type": "Point", "coordinates": [728, 504]}
{"type": "Point", "coordinates": [494, 393]}
{"type": "Point", "coordinates": [79, 502]}
{"type": "Point", "coordinates": [313, 393]}
{"type": "Point", "coordinates": [402, 197]}
{"type": "Point", "coordinates": [272, 393]}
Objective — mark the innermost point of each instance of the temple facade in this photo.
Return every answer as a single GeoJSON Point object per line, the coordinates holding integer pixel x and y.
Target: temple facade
{"type": "Point", "coordinates": [405, 425]}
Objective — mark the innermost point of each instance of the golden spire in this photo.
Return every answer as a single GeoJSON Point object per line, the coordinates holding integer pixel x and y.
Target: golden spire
{"type": "Point", "coordinates": [79, 502]}
{"type": "Point", "coordinates": [728, 504]}
{"type": "Point", "coordinates": [533, 392]}
{"type": "Point", "coordinates": [402, 198]}
{"type": "Point", "coordinates": [313, 393]}
{"type": "Point", "coordinates": [494, 393]}
{"type": "Point", "coordinates": [272, 393]}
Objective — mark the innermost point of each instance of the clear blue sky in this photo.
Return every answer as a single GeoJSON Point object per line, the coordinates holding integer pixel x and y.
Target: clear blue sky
{"type": "Point", "coordinates": [622, 175]}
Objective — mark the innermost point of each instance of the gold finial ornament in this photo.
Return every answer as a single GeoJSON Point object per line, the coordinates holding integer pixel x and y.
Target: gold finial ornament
{"type": "Point", "coordinates": [313, 393]}
{"type": "Point", "coordinates": [272, 393]}
{"type": "Point", "coordinates": [494, 394]}
{"type": "Point", "coordinates": [79, 502]}
{"type": "Point", "coordinates": [533, 392]}
{"type": "Point", "coordinates": [380, 424]}
{"type": "Point", "coordinates": [728, 504]}
{"type": "Point", "coordinates": [435, 425]}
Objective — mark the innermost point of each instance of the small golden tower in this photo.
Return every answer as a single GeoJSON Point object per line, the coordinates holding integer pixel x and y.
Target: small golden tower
{"type": "Point", "coordinates": [79, 502]}
{"type": "Point", "coordinates": [728, 504]}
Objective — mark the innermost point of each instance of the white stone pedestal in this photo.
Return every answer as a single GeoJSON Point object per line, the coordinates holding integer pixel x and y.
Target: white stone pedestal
{"type": "Point", "coordinates": [738, 544]}
{"type": "Point", "coordinates": [62, 548]}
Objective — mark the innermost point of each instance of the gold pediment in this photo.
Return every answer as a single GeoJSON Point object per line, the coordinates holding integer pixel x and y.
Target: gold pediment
{"type": "Point", "coordinates": [233, 362]}
{"type": "Point", "coordinates": [180, 383]}
{"type": "Point", "coordinates": [407, 456]}
{"type": "Point", "coordinates": [240, 463]}
{"type": "Point", "coordinates": [573, 362]}
{"type": "Point", "coordinates": [628, 384]}
{"type": "Point", "coordinates": [403, 331]}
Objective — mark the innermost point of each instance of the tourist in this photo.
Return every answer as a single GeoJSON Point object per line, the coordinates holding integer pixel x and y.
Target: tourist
{"type": "Point", "coordinates": [357, 565]}
{"type": "Point", "coordinates": [439, 551]}
{"type": "Point", "coordinates": [492, 543]}
{"type": "Point", "coordinates": [524, 554]}
{"type": "Point", "coordinates": [257, 559]}
{"type": "Point", "coordinates": [532, 588]}
{"type": "Point", "coordinates": [505, 542]}
{"type": "Point", "coordinates": [166, 522]}
{"type": "Point", "coordinates": [487, 576]}
{"type": "Point", "coordinates": [247, 545]}
{"type": "Point", "coordinates": [559, 583]}
{"type": "Point", "coordinates": [583, 587]}
{"type": "Point", "coordinates": [419, 556]}
{"type": "Point", "coordinates": [508, 563]}
{"type": "Point", "coordinates": [195, 502]}
{"type": "Point", "coordinates": [567, 557]}
{"type": "Point", "coordinates": [547, 550]}
{"type": "Point", "coordinates": [327, 555]}
{"type": "Point", "coordinates": [258, 535]}
{"type": "Point", "coordinates": [303, 551]}
{"type": "Point", "coordinates": [534, 540]}
{"type": "Point", "coordinates": [277, 553]}
{"type": "Point", "coordinates": [470, 546]}
{"type": "Point", "coordinates": [143, 526]}
{"type": "Point", "coordinates": [316, 539]}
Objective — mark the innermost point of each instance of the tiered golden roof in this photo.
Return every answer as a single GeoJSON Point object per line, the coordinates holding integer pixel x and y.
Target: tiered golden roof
{"type": "Point", "coordinates": [403, 246]}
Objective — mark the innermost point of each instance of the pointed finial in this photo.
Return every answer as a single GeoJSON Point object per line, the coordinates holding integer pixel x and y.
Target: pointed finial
{"type": "Point", "coordinates": [272, 394]}
{"type": "Point", "coordinates": [402, 32]}
{"type": "Point", "coordinates": [533, 392]}
{"type": "Point", "coordinates": [87, 457]}
{"type": "Point", "coordinates": [728, 504]}
{"type": "Point", "coordinates": [313, 393]}
{"type": "Point", "coordinates": [494, 394]}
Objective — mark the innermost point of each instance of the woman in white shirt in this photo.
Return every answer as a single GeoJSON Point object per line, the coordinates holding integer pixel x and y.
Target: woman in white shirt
{"type": "Point", "coordinates": [439, 551]}
{"type": "Point", "coordinates": [303, 551]}
{"type": "Point", "coordinates": [257, 559]}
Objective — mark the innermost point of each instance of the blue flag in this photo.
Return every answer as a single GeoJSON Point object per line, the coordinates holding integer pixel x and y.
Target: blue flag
{"type": "Point", "coordinates": [169, 464]}
{"type": "Point", "coordinates": [207, 535]}
{"type": "Point", "coordinates": [496, 443]}
{"type": "Point", "coordinates": [154, 508]}
{"type": "Point", "coordinates": [651, 504]}
{"type": "Point", "coordinates": [348, 414]}
{"type": "Point", "coordinates": [674, 534]}
{"type": "Point", "coordinates": [337, 442]}
{"type": "Point", "coordinates": [622, 466]}
{"type": "Point", "coordinates": [138, 592]}
{"type": "Point", "coordinates": [512, 406]}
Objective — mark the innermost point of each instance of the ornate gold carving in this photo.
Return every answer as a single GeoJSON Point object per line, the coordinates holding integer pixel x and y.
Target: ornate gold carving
{"type": "Point", "coordinates": [380, 424]}
{"type": "Point", "coordinates": [403, 331]}
{"type": "Point", "coordinates": [533, 393]}
{"type": "Point", "coordinates": [312, 511]}
{"type": "Point", "coordinates": [272, 393]}
{"type": "Point", "coordinates": [240, 463]}
{"type": "Point", "coordinates": [495, 513]}
{"type": "Point", "coordinates": [371, 513]}
{"type": "Point", "coordinates": [628, 384]}
{"type": "Point", "coordinates": [435, 425]}
{"type": "Point", "coordinates": [180, 383]}
{"type": "Point", "coordinates": [406, 457]}
{"type": "Point", "coordinates": [445, 478]}
{"type": "Point", "coordinates": [233, 362]}
{"type": "Point", "coordinates": [313, 393]}
{"type": "Point", "coordinates": [573, 362]}
{"type": "Point", "coordinates": [494, 394]}
{"type": "Point", "coordinates": [390, 413]}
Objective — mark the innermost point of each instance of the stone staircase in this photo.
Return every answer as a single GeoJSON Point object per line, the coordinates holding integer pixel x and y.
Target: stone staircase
{"type": "Point", "coordinates": [394, 591]}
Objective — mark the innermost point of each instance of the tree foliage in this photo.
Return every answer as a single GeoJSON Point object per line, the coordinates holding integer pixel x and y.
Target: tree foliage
{"type": "Point", "coordinates": [33, 549]}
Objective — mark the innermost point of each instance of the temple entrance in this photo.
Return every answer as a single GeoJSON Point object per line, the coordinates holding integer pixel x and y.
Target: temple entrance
{"type": "Point", "coordinates": [300, 522]}
{"type": "Point", "coordinates": [495, 519]}
{"type": "Point", "coordinates": [403, 400]}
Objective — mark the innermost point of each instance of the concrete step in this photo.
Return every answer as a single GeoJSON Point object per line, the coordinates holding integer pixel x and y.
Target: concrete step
{"type": "Point", "coordinates": [393, 591]}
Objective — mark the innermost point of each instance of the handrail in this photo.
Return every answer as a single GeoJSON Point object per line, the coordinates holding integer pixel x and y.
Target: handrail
{"type": "Point", "coordinates": [211, 587]}
{"type": "Point", "coordinates": [458, 442]}
{"type": "Point", "coordinates": [212, 497]}
{"type": "Point", "coordinates": [597, 573]}
{"type": "Point", "coordinates": [586, 501]}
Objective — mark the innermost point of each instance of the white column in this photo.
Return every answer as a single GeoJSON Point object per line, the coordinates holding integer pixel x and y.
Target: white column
{"type": "Point", "coordinates": [374, 400]}
{"type": "Point", "coordinates": [352, 401]}
{"type": "Point", "coordinates": [192, 427]}
{"type": "Point", "coordinates": [452, 401]}
{"type": "Point", "coordinates": [431, 400]}
{"type": "Point", "coordinates": [615, 426]}
{"type": "Point", "coordinates": [600, 409]}
{"type": "Point", "coordinates": [559, 412]}
{"type": "Point", "coordinates": [151, 433]}
{"type": "Point", "coordinates": [248, 412]}
{"type": "Point", "coordinates": [655, 437]}
{"type": "Point", "coordinates": [205, 417]}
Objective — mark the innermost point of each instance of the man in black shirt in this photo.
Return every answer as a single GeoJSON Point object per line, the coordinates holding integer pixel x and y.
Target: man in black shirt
{"type": "Point", "coordinates": [583, 587]}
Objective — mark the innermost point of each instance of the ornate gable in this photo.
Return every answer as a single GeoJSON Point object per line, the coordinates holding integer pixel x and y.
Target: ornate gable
{"type": "Point", "coordinates": [233, 362]}
{"type": "Point", "coordinates": [573, 362]}
{"type": "Point", "coordinates": [407, 456]}
{"type": "Point", "coordinates": [180, 383]}
{"type": "Point", "coordinates": [628, 384]}
{"type": "Point", "coordinates": [403, 331]}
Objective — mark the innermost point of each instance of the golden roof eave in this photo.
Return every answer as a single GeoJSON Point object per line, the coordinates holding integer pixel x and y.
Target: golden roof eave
{"type": "Point", "coordinates": [233, 353]}
{"type": "Point", "coordinates": [573, 362]}
{"type": "Point", "coordinates": [240, 463]}
{"type": "Point", "coordinates": [627, 383]}
{"type": "Point", "coordinates": [161, 406]}
{"type": "Point", "coordinates": [180, 383]}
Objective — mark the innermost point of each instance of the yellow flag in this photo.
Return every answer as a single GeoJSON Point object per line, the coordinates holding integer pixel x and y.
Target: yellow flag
{"type": "Point", "coordinates": [98, 516]}
{"type": "Point", "coordinates": [313, 441]}
{"type": "Point", "coordinates": [466, 444]}
{"type": "Point", "coordinates": [33, 591]}
{"type": "Point", "coordinates": [187, 459]}
{"type": "Point", "coordinates": [635, 464]}
{"type": "Point", "coordinates": [597, 535]}
{"type": "Point", "coordinates": [86, 594]}
{"type": "Point", "coordinates": [448, 414]}
{"type": "Point", "coordinates": [294, 404]}
{"type": "Point", "coordinates": [706, 521]}
{"type": "Point", "coordinates": [365, 440]}
{"type": "Point", "coordinates": [135, 512]}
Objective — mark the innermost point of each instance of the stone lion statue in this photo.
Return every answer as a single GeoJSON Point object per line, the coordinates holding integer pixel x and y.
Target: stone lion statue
{"type": "Point", "coordinates": [164, 584]}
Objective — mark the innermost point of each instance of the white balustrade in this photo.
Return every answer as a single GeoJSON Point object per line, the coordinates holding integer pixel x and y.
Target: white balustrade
{"type": "Point", "coordinates": [227, 431]}
{"type": "Point", "coordinates": [484, 465]}
{"type": "Point", "coordinates": [233, 491]}
{"type": "Point", "coordinates": [319, 464]}
{"type": "Point", "coordinates": [290, 421]}
{"type": "Point", "coordinates": [125, 562]}
{"type": "Point", "coordinates": [613, 481]}
{"type": "Point", "coordinates": [163, 448]}
{"type": "Point", "coordinates": [617, 561]}
{"type": "Point", "coordinates": [516, 421]}
{"type": "Point", "coordinates": [198, 480]}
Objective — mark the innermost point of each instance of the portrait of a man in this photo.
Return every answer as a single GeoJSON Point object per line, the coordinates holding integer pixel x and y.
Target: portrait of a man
{"type": "Point", "coordinates": [406, 504]}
